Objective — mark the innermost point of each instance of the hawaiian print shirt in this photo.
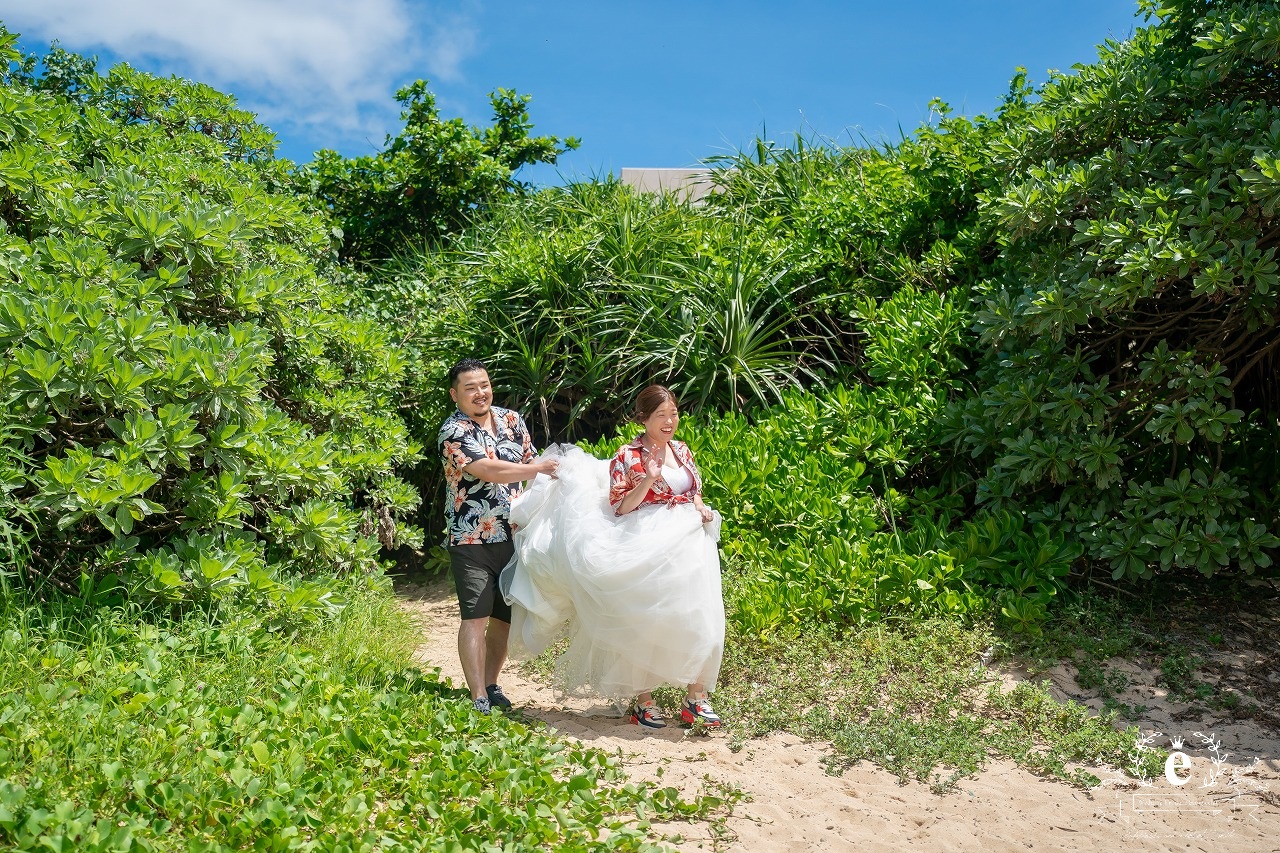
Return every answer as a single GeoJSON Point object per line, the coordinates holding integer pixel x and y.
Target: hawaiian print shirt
{"type": "Point", "coordinates": [476, 511]}
{"type": "Point", "coordinates": [627, 470]}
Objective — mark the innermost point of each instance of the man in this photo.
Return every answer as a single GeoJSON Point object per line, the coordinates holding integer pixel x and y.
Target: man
{"type": "Point", "coordinates": [487, 455]}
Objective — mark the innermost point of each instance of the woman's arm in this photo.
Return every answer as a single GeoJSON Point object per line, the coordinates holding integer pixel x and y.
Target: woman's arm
{"type": "Point", "coordinates": [636, 491]}
{"type": "Point", "coordinates": [705, 511]}
{"type": "Point", "coordinates": [636, 496]}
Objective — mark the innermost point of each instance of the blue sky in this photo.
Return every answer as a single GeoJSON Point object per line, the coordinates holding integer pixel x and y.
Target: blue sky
{"type": "Point", "coordinates": [642, 84]}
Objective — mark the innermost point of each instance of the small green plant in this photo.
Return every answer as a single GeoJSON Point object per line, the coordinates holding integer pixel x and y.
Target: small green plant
{"type": "Point", "coordinates": [1109, 683]}
{"type": "Point", "coordinates": [1091, 631]}
{"type": "Point", "coordinates": [1178, 673]}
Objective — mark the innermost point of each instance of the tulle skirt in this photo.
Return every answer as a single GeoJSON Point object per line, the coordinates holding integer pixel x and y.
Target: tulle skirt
{"type": "Point", "coordinates": [638, 596]}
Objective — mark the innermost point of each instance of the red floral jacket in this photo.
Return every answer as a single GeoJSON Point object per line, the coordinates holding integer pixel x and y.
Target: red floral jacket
{"type": "Point", "coordinates": [627, 470]}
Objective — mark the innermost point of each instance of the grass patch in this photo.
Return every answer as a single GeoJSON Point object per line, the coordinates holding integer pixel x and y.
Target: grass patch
{"type": "Point", "coordinates": [917, 699]}
{"type": "Point", "coordinates": [913, 698]}
{"type": "Point", "coordinates": [1180, 630]}
{"type": "Point", "coordinates": [119, 732]}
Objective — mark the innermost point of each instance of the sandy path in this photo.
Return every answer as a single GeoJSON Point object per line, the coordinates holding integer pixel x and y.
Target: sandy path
{"type": "Point", "coordinates": [795, 805]}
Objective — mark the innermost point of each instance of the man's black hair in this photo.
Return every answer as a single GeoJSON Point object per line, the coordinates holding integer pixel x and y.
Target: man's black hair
{"type": "Point", "coordinates": [465, 366]}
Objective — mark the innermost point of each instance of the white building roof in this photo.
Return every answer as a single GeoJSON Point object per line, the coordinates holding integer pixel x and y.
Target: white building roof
{"type": "Point", "coordinates": [692, 184]}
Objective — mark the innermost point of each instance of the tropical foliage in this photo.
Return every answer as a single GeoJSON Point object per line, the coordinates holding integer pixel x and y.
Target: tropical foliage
{"type": "Point", "coordinates": [182, 405]}
{"type": "Point", "coordinates": [1127, 390]}
{"type": "Point", "coordinates": [1074, 297]}
{"type": "Point", "coordinates": [431, 178]}
{"type": "Point", "coordinates": [578, 297]}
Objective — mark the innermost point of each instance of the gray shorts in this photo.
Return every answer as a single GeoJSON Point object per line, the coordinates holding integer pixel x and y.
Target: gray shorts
{"type": "Point", "coordinates": [475, 576]}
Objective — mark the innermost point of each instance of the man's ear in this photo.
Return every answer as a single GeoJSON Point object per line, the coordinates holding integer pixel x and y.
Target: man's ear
{"type": "Point", "coordinates": [453, 394]}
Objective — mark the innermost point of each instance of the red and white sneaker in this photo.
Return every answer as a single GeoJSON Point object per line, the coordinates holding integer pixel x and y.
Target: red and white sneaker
{"type": "Point", "coordinates": [648, 715]}
{"type": "Point", "coordinates": [699, 709]}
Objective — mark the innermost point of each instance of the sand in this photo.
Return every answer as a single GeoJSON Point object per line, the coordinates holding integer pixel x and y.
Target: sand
{"type": "Point", "coordinates": [1230, 803]}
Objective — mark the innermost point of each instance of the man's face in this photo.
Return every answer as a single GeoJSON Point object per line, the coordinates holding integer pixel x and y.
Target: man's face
{"type": "Point", "coordinates": [473, 393]}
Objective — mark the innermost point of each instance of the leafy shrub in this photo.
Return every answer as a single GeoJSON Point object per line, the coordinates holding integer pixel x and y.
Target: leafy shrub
{"type": "Point", "coordinates": [578, 297]}
{"type": "Point", "coordinates": [1126, 395]}
{"type": "Point", "coordinates": [809, 265]}
{"type": "Point", "coordinates": [180, 401]}
{"type": "Point", "coordinates": [857, 223]}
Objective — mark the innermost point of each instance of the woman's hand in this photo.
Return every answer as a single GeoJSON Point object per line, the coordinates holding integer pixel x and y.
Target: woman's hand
{"type": "Point", "coordinates": [707, 514]}
{"type": "Point", "coordinates": [639, 488]}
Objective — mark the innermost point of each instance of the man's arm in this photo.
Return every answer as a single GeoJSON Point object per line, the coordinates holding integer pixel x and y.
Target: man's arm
{"type": "Point", "coordinates": [498, 471]}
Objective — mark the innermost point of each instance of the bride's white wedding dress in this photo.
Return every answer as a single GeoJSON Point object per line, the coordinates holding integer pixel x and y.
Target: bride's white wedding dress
{"type": "Point", "coordinates": [638, 596]}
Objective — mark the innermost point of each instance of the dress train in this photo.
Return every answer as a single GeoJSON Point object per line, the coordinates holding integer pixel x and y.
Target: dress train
{"type": "Point", "coordinates": [637, 596]}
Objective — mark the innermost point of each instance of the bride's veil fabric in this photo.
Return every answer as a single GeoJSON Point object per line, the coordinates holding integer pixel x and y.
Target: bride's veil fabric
{"type": "Point", "coordinates": [637, 596]}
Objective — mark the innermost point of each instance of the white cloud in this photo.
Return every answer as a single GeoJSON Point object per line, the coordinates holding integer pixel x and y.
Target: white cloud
{"type": "Point", "coordinates": [326, 67]}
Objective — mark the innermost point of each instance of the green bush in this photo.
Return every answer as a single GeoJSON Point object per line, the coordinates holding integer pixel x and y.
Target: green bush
{"type": "Point", "coordinates": [809, 266]}
{"type": "Point", "coordinates": [577, 297]}
{"type": "Point", "coordinates": [181, 401]}
{"type": "Point", "coordinates": [858, 223]}
{"type": "Point", "coordinates": [1126, 393]}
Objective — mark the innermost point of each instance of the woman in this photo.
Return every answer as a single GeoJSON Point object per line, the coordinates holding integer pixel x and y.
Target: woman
{"type": "Point", "coordinates": [622, 557]}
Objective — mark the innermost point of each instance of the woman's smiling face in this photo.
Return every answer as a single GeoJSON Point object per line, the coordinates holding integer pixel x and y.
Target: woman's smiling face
{"type": "Point", "coordinates": [660, 426]}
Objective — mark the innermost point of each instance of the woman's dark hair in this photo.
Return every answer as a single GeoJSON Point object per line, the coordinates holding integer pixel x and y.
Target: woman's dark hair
{"type": "Point", "coordinates": [465, 366]}
{"type": "Point", "coordinates": [648, 401]}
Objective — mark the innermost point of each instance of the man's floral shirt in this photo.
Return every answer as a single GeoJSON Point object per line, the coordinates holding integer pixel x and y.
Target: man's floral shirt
{"type": "Point", "coordinates": [476, 511]}
{"type": "Point", "coordinates": [627, 470]}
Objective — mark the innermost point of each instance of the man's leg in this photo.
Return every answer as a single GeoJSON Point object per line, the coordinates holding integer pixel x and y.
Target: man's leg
{"type": "Point", "coordinates": [482, 640]}
{"type": "Point", "coordinates": [499, 628]}
{"type": "Point", "coordinates": [471, 579]}
{"type": "Point", "coordinates": [495, 650]}
{"type": "Point", "coordinates": [471, 652]}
